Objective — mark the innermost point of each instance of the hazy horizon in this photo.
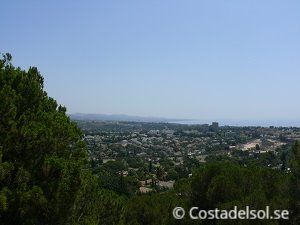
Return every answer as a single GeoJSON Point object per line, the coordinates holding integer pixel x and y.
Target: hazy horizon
{"type": "Point", "coordinates": [236, 60]}
{"type": "Point", "coordinates": [222, 122]}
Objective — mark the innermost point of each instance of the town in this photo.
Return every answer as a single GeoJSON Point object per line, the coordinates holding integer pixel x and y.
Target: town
{"type": "Point", "coordinates": [145, 157]}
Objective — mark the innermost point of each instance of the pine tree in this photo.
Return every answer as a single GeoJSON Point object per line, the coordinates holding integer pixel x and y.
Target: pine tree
{"type": "Point", "coordinates": [42, 154]}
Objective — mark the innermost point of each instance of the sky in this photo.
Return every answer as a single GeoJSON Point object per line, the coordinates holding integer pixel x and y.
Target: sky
{"type": "Point", "coordinates": [213, 59]}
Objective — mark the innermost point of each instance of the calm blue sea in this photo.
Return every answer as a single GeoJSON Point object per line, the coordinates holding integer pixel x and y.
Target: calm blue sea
{"type": "Point", "coordinates": [262, 123]}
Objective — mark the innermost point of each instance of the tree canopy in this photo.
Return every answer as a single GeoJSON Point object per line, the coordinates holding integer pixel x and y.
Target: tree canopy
{"type": "Point", "coordinates": [46, 176]}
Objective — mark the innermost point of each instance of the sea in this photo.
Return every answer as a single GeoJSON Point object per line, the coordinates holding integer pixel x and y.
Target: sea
{"type": "Point", "coordinates": [243, 123]}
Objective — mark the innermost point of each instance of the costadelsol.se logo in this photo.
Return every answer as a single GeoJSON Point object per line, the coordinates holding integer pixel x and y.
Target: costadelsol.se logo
{"type": "Point", "coordinates": [246, 213]}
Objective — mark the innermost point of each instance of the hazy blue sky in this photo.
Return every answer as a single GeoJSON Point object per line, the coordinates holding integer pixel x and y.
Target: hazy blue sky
{"type": "Point", "coordinates": [181, 59]}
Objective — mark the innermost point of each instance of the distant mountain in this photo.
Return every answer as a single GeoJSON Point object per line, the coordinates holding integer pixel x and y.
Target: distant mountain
{"type": "Point", "coordinates": [121, 117]}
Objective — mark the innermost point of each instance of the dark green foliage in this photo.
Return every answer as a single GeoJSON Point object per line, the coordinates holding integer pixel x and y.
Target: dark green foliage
{"type": "Point", "coordinates": [218, 185]}
{"type": "Point", "coordinates": [295, 182]}
{"type": "Point", "coordinates": [41, 151]}
{"type": "Point", "coordinates": [151, 210]}
{"type": "Point", "coordinates": [111, 177]}
{"type": "Point", "coordinates": [113, 167]}
{"type": "Point", "coordinates": [150, 166]}
{"type": "Point", "coordinates": [257, 147]}
{"type": "Point", "coordinates": [172, 175]}
{"type": "Point", "coordinates": [95, 205]}
{"type": "Point", "coordinates": [225, 185]}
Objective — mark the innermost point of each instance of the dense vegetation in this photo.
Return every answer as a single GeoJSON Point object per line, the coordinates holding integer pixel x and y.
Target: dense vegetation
{"type": "Point", "coordinates": [46, 178]}
{"type": "Point", "coordinates": [43, 161]}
